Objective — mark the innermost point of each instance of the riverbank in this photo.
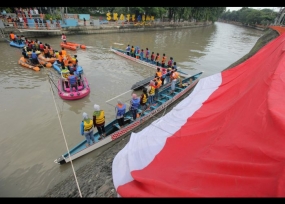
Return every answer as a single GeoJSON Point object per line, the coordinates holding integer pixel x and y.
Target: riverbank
{"type": "Point", "coordinates": [102, 29]}
{"type": "Point", "coordinates": [95, 178]}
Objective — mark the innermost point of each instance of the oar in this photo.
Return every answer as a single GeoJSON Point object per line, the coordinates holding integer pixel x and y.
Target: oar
{"type": "Point", "coordinates": [182, 72]}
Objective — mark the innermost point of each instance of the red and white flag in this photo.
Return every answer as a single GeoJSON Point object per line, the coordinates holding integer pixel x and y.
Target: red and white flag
{"type": "Point", "coordinates": [226, 139]}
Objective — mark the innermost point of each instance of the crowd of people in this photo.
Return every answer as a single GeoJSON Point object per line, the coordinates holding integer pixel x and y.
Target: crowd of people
{"type": "Point", "coordinates": [72, 79]}
{"type": "Point", "coordinates": [148, 97]}
{"type": "Point", "coordinates": [152, 58]}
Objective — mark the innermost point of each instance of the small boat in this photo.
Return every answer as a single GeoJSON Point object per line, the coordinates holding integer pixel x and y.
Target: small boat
{"type": "Point", "coordinates": [113, 131]}
{"type": "Point", "coordinates": [67, 94]}
{"type": "Point", "coordinates": [67, 46]}
{"type": "Point", "coordinates": [28, 64]}
{"type": "Point", "coordinates": [57, 67]}
{"type": "Point", "coordinates": [123, 53]}
{"type": "Point", "coordinates": [15, 44]}
{"type": "Point", "coordinates": [77, 45]}
{"type": "Point", "coordinates": [43, 59]}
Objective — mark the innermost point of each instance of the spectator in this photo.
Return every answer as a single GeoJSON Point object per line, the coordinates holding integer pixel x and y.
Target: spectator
{"type": "Point", "coordinates": [84, 21]}
{"type": "Point", "coordinates": [31, 12]}
{"type": "Point", "coordinates": [36, 12]}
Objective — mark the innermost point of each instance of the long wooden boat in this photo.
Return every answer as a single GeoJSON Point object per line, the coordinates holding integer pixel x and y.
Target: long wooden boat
{"type": "Point", "coordinates": [113, 131]}
{"type": "Point", "coordinates": [123, 53]}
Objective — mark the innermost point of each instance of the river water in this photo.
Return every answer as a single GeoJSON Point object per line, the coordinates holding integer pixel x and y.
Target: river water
{"type": "Point", "coordinates": [35, 122]}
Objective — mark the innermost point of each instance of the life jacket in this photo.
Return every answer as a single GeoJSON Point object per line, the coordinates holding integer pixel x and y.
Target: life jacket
{"type": "Point", "coordinates": [65, 61]}
{"type": "Point", "coordinates": [159, 74]}
{"type": "Point", "coordinates": [63, 52]}
{"type": "Point", "coordinates": [152, 90]}
{"type": "Point", "coordinates": [163, 59]}
{"type": "Point", "coordinates": [159, 82]}
{"type": "Point", "coordinates": [157, 58]}
{"type": "Point", "coordinates": [100, 119]}
{"type": "Point", "coordinates": [144, 99]}
{"type": "Point", "coordinates": [34, 55]}
{"type": "Point", "coordinates": [65, 73]}
{"type": "Point", "coordinates": [88, 124]}
{"type": "Point", "coordinates": [135, 103]}
{"type": "Point", "coordinates": [174, 75]}
{"type": "Point", "coordinates": [41, 46]}
{"type": "Point", "coordinates": [12, 36]}
{"type": "Point", "coordinates": [56, 54]}
{"type": "Point", "coordinates": [74, 61]}
{"type": "Point", "coordinates": [121, 110]}
{"type": "Point", "coordinates": [72, 79]}
{"type": "Point", "coordinates": [60, 58]}
{"type": "Point", "coordinates": [132, 50]}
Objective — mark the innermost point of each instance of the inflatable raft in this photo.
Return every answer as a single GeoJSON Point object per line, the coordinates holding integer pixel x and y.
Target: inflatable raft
{"type": "Point", "coordinates": [77, 45]}
{"type": "Point", "coordinates": [27, 63]}
{"type": "Point", "coordinates": [15, 44]}
{"type": "Point", "coordinates": [57, 67]}
{"type": "Point", "coordinates": [67, 94]}
{"type": "Point", "coordinates": [68, 46]}
{"type": "Point", "coordinates": [43, 59]}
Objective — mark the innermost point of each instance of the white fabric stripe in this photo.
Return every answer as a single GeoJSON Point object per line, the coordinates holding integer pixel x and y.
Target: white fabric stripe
{"type": "Point", "coordinates": [146, 144]}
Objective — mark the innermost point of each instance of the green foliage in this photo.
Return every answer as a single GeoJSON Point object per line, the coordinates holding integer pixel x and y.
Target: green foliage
{"type": "Point", "coordinates": [249, 16]}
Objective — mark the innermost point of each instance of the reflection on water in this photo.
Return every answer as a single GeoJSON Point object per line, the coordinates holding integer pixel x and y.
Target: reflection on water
{"type": "Point", "coordinates": [34, 131]}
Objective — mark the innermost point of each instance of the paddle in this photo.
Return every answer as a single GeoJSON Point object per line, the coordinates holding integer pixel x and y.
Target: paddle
{"type": "Point", "coordinates": [182, 72]}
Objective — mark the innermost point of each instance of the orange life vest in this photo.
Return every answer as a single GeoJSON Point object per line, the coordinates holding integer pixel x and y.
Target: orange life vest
{"type": "Point", "coordinates": [63, 52]}
{"type": "Point", "coordinates": [12, 36]}
{"type": "Point", "coordinates": [163, 59]}
{"type": "Point", "coordinates": [157, 58]}
{"type": "Point", "coordinates": [174, 75]}
{"type": "Point", "coordinates": [60, 58]}
{"type": "Point", "coordinates": [159, 74]}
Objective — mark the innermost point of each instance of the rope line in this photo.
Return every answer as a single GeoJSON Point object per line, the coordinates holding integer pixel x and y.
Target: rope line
{"type": "Point", "coordinates": [65, 140]}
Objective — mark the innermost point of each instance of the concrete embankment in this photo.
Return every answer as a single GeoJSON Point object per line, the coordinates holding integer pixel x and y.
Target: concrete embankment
{"type": "Point", "coordinates": [102, 29]}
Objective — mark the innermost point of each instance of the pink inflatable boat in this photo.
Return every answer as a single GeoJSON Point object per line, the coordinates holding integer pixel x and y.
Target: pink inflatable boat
{"type": "Point", "coordinates": [66, 94]}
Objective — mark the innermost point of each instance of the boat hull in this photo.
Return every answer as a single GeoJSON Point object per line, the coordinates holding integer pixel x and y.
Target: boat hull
{"type": "Point", "coordinates": [22, 61]}
{"type": "Point", "coordinates": [47, 62]}
{"type": "Point", "coordinates": [68, 46]}
{"type": "Point", "coordinates": [64, 93]}
{"type": "Point", "coordinates": [14, 44]}
{"type": "Point", "coordinates": [76, 45]}
{"type": "Point", "coordinates": [112, 130]}
{"type": "Point", "coordinates": [122, 53]}
{"type": "Point", "coordinates": [57, 67]}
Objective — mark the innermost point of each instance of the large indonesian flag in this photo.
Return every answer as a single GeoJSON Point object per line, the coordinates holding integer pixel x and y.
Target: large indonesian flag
{"type": "Point", "coordinates": [226, 139]}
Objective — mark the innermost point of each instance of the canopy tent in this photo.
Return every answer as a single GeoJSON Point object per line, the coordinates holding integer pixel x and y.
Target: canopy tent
{"type": "Point", "coordinates": [226, 139]}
